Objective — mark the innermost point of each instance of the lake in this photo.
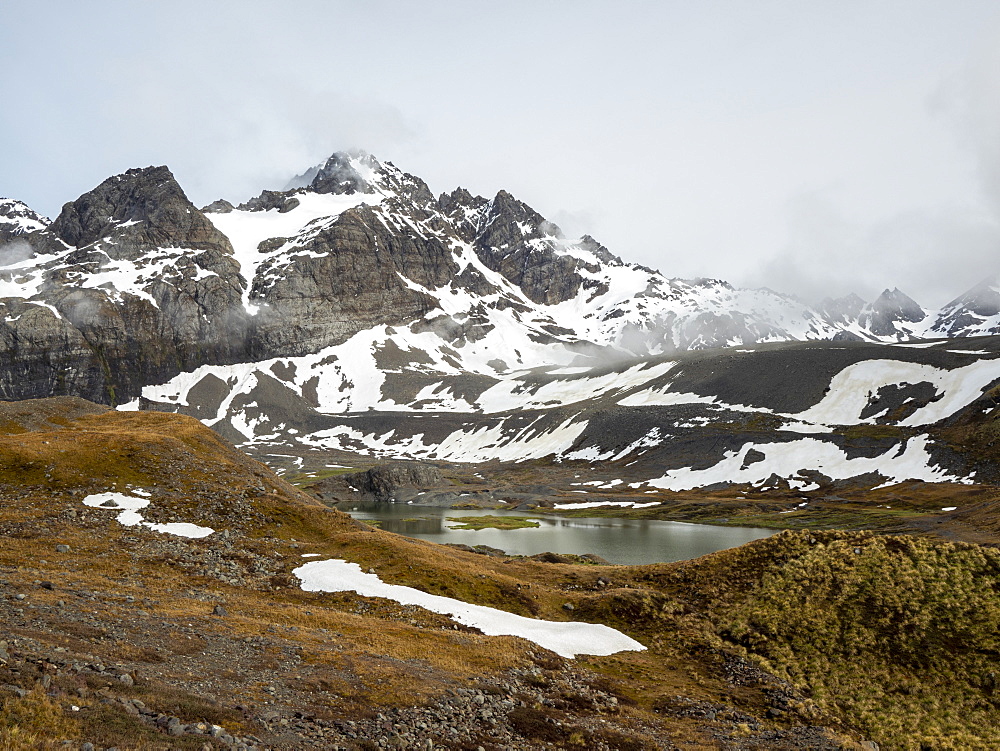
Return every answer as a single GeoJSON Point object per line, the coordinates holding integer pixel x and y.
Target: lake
{"type": "Point", "coordinates": [626, 541]}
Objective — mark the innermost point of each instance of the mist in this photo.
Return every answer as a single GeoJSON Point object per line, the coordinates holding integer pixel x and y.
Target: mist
{"type": "Point", "coordinates": [15, 253]}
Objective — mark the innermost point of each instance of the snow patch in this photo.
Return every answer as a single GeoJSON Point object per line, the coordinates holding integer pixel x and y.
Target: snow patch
{"type": "Point", "coordinates": [567, 639]}
{"type": "Point", "coordinates": [129, 507]}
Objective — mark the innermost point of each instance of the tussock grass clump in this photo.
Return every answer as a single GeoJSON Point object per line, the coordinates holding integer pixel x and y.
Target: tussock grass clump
{"type": "Point", "coordinates": [901, 635]}
{"type": "Point", "coordinates": [34, 721]}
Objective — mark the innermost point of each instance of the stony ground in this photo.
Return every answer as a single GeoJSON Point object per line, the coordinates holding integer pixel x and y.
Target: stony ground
{"type": "Point", "coordinates": [124, 637]}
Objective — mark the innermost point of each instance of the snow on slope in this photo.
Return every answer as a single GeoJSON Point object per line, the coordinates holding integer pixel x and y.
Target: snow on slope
{"type": "Point", "coordinates": [247, 229]}
{"type": "Point", "coordinates": [129, 506]}
{"type": "Point", "coordinates": [17, 218]}
{"type": "Point", "coordinates": [568, 639]}
{"type": "Point", "coordinates": [481, 443]}
{"type": "Point", "coordinates": [788, 460]}
{"type": "Point", "coordinates": [851, 390]}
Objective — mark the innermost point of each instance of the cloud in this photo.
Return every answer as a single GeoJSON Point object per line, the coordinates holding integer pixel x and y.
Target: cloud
{"type": "Point", "coordinates": [932, 255]}
{"type": "Point", "coordinates": [14, 253]}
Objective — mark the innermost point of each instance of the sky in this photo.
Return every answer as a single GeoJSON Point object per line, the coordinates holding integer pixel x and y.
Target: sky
{"type": "Point", "coordinates": [816, 148]}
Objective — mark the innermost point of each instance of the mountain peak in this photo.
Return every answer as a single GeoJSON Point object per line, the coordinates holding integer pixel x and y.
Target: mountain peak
{"type": "Point", "coordinates": [900, 304]}
{"type": "Point", "coordinates": [131, 196]}
{"type": "Point", "coordinates": [17, 218]}
{"type": "Point", "coordinates": [347, 173]}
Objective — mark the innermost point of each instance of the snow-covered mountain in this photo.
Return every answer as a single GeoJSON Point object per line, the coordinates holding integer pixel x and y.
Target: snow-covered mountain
{"type": "Point", "coordinates": [132, 284]}
{"type": "Point", "coordinates": [17, 219]}
{"type": "Point", "coordinates": [313, 313]}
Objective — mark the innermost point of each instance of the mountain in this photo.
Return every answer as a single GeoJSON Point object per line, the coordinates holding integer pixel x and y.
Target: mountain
{"type": "Point", "coordinates": [975, 313]}
{"type": "Point", "coordinates": [17, 219]}
{"type": "Point", "coordinates": [354, 311]}
{"type": "Point", "coordinates": [132, 284]}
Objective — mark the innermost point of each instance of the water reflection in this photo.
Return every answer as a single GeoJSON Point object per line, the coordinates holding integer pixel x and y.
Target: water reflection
{"type": "Point", "coordinates": [629, 541]}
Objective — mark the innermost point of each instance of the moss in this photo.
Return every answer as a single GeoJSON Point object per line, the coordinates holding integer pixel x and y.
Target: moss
{"type": "Point", "coordinates": [900, 634]}
{"type": "Point", "coordinates": [491, 521]}
{"type": "Point", "coordinates": [872, 432]}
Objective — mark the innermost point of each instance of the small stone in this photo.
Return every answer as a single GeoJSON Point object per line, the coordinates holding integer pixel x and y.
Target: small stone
{"type": "Point", "coordinates": [46, 585]}
{"type": "Point", "coordinates": [87, 747]}
{"type": "Point", "coordinates": [219, 611]}
{"type": "Point", "coordinates": [126, 679]}
{"type": "Point", "coordinates": [19, 597]}
{"type": "Point", "coordinates": [569, 606]}
{"type": "Point", "coordinates": [64, 549]}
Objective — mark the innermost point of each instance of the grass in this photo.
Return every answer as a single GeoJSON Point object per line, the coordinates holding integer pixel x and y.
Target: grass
{"type": "Point", "coordinates": [901, 639]}
{"type": "Point", "coordinates": [35, 721]}
{"type": "Point", "coordinates": [491, 521]}
{"type": "Point", "coordinates": [310, 478]}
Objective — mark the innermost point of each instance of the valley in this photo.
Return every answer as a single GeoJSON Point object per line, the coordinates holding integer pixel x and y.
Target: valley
{"type": "Point", "coordinates": [195, 398]}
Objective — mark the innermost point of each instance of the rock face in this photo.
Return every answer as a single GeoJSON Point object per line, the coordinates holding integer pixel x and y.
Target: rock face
{"type": "Point", "coordinates": [383, 482]}
{"type": "Point", "coordinates": [338, 285]}
{"type": "Point", "coordinates": [129, 285]}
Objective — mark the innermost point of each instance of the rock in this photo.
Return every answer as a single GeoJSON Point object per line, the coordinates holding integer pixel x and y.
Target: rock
{"type": "Point", "coordinates": [219, 611]}
{"type": "Point", "coordinates": [107, 343]}
{"type": "Point", "coordinates": [126, 680]}
{"type": "Point", "coordinates": [62, 548]}
{"type": "Point", "coordinates": [383, 481]}
{"type": "Point", "coordinates": [87, 747]}
{"type": "Point", "coordinates": [568, 606]}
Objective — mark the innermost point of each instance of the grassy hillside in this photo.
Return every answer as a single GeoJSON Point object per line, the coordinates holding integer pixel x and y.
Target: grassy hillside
{"type": "Point", "coordinates": [804, 640]}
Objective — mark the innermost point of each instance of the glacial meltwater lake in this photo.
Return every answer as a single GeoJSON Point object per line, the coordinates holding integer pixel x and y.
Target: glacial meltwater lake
{"type": "Point", "coordinates": [625, 541]}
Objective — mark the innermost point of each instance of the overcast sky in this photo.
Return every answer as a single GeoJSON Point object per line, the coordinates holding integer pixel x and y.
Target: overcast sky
{"type": "Point", "coordinates": [812, 147]}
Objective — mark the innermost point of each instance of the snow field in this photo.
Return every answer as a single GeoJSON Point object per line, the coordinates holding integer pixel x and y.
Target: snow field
{"type": "Point", "coordinates": [851, 389]}
{"type": "Point", "coordinates": [908, 461]}
{"type": "Point", "coordinates": [567, 639]}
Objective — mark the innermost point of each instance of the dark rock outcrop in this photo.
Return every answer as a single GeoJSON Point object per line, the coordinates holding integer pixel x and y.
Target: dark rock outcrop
{"type": "Point", "coordinates": [172, 302]}
{"type": "Point", "coordinates": [384, 481]}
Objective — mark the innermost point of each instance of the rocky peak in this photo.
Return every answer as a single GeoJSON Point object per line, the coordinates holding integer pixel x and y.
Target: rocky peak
{"type": "Point", "coordinates": [136, 210]}
{"type": "Point", "coordinates": [972, 313]}
{"type": "Point", "coordinates": [590, 245]}
{"type": "Point", "coordinates": [844, 309]}
{"type": "Point", "coordinates": [17, 218]}
{"type": "Point", "coordinates": [346, 174]}
{"type": "Point", "coordinates": [890, 309]}
{"type": "Point", "coordinates": [349, 173]}
{"type": "Point", "coordinates": [505, 222]}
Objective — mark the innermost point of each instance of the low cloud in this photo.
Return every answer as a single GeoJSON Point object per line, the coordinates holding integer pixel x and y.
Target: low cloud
{"type": "Point", "coordinates": [933, 256]}
{"type": "Point", "coordinates": [14, 253]}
